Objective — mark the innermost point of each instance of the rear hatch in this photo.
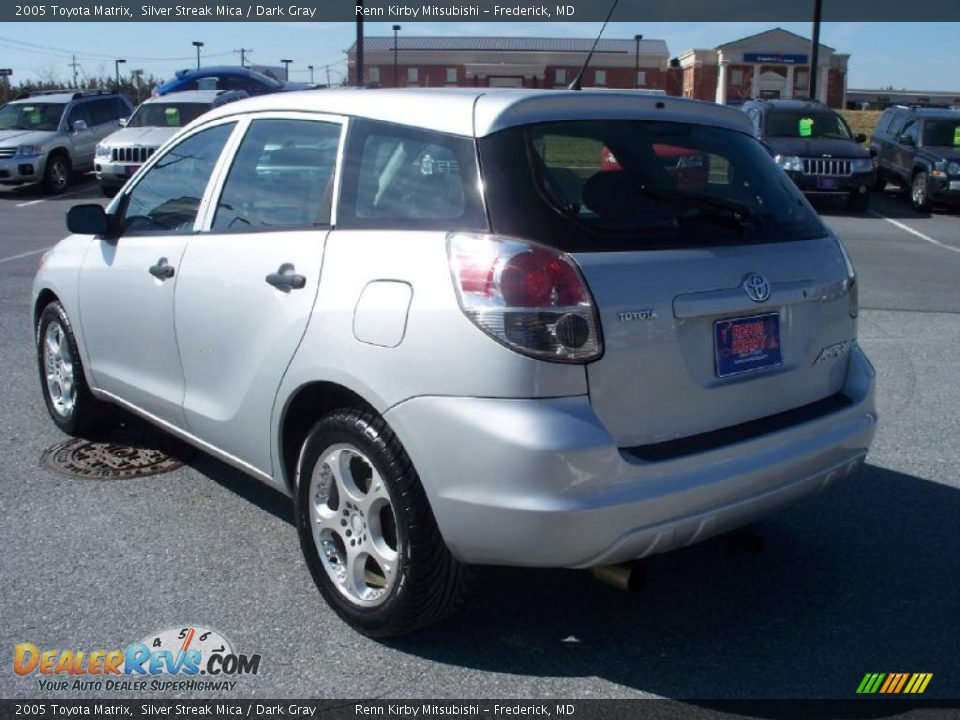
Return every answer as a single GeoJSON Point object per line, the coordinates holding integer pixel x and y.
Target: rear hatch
{"type": "Point", "coordinates": [722, 298]}
{"type": "Point", "coordinates": [686, 349]}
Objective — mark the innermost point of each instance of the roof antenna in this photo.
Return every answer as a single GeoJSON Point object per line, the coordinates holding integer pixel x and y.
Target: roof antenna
{"type": "Point", "coordinates": [577, 83]}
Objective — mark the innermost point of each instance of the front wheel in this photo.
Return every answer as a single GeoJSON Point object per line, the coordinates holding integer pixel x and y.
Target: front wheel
{"type": "Point", "coordinates": [919, 193]}
{"type": "Point", "coordinates": [69, 401]}
{"type": "Point", "coordinates": [367, 531]}
{"type": "Point", "coordinates": [56, 175]}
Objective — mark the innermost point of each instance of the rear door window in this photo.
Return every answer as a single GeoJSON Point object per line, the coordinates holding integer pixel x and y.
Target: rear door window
{"type": "Point", "coordinates": [282, 176]}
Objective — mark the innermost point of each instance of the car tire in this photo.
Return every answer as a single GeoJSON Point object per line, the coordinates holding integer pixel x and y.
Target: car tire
{"type": "Point", "coordinates": [858, 202]}
{"type": "Point", "coordinates": [920, 193]}
{"type": "Point", "coordinates": [69, 401]}
{"type": "Point", "coordinates": [367, 531]}
{"type": "Point", "coordinates": [109, 191]}
{"type": "Point", "coordinates": [56, 174]}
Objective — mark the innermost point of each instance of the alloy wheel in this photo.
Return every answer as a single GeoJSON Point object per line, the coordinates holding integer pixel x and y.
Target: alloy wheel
{"type": "Point", "coordinates": [58, 368]}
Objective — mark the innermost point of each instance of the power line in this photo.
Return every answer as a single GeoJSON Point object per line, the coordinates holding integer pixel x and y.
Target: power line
{"type": "Point", "coordinates": [23, 46]}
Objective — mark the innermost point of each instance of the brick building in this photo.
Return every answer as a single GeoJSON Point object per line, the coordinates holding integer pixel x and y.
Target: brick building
{"type": "Point", "coordinates": [770, 64]}
{"type": "Point", "coordinates": [531, 62]}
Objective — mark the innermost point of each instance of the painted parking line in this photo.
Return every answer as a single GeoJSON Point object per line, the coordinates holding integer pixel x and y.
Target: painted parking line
{"type": "Point", "coordinates": [24, 254]}
{"type": "Point", "coordinates": [919, 234]}
{"type": "Point", "coordinates": [54, 197]}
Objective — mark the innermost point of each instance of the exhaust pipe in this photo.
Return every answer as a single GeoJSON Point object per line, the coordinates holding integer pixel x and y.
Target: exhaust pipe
{"type": "Point", "coordinates": [627, 577]}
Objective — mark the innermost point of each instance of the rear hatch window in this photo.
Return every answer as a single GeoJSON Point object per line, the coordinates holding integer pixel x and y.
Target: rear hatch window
{"type": "Point", "coordinates": [633, 185]}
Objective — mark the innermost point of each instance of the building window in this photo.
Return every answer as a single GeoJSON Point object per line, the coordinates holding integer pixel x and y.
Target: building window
{"type": "Point", "coordinates": [560, 76]}
{"type": "Point", "coordinates": [600, 77]}
{"type": "Point", "coordinates": [736, 77]}
{"type": "Point", "coordinates": [451, 75]}
{"type": "Point", "coordinates": [641, 78]}
{"type": "Point", "coordinates": [413, 75]}
{"type": "Point", "coordinates": [802, 79]}
{"type": "Point", "coordinates": [373, 75]}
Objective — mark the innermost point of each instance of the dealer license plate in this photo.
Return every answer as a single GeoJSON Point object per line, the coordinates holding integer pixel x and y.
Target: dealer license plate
{"type": "Point", "coordinates": [746, 344]}
{"type": "Point", "coordinates": [827, 183]}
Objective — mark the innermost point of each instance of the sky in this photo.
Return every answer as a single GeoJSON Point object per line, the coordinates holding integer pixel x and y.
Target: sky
{"type": "Point", "coordinates": [915, 56]}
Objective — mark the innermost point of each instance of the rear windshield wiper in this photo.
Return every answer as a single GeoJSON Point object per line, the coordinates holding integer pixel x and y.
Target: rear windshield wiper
{"type": "Point", "coordinates": [739, 212]}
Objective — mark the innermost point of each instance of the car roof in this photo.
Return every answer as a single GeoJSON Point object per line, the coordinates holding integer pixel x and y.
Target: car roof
{"type": "Point", "coordinates": [211, 70]}
{"type": "Point", "coordinates": [482, 111]}
{"type": "Point", "coordinates": [933, 112]}
{"type": "Point", "coordinates": [55, 99]}
{"type": "Point", "coordinates": [803, 105]}
{"type": "Point", "coordinates": [189, 96]}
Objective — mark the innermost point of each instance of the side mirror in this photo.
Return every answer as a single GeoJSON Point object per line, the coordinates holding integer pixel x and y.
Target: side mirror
{"type": "Point", "coordinates": [122, 122]}
{"type": "Point", "coordinates": [861, 138]}
{"type": "Point", "coordinates": [88, 219]}
{"type": "Point", "coordinates": [906, 140]}
{"type": "Point", "coordinates": [79, 125]}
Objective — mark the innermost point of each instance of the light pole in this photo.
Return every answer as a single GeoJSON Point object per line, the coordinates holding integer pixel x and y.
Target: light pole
{"type": "Point", "coordinates": [310, 68]}
{"type": "Point", "coordinates": [116, 68]}
{"type": "Point", "coordinates": [636, 62]}
{"type": "Point", "coordinates": [815, 48]}
{"type": "Point", "coordinates": [197, 44]}
{"type": "Point", "coordinates": [396, 77]}
{"type": "Point", "coordinates": [137, 79]}
{"type": "Point", "coordinates": [286, 68]}
{"type": "Point", "coordinates": [359, 67]}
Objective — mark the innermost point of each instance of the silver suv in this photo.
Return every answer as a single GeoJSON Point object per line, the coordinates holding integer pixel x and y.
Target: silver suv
{"type": "Point", "coordinates": [455, 332]}
{"type": "Point", "coordinates": [49, 135]}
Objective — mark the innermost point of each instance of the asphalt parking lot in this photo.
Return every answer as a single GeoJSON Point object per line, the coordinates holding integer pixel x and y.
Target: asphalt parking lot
{"type": "Point", "coordinates": [863, 578]}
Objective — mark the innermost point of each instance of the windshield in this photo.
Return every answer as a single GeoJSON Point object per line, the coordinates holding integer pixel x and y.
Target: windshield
{"type": "Point", "coordinates": [807, 125]}
{"type": "Point", "coordinates": [31, 116]}
{"type": "Point", "coordinates": [167, 114]}
{"type": "Point", "coordinates": [641, 184]}
{"type": "Point", "coordinates": [942, 133]}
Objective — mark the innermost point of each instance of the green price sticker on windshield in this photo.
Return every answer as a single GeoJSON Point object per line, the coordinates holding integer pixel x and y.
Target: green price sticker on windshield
{"type": "Point", "coordinates": [172, 116]}
{"type": "Point", "coordinates": [806, 127]}
{"type": "Point", "coordinates": [956, 135]}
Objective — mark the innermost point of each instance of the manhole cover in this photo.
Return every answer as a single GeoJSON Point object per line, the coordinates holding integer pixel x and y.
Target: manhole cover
{"type": "Point", "coordinates": [121, 456]}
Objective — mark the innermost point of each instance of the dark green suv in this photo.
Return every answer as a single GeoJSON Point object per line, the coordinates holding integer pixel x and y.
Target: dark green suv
{"type": "Point", "coordinates": [816, 147]}
{"type": "Point", "coordinates": [919, 150]}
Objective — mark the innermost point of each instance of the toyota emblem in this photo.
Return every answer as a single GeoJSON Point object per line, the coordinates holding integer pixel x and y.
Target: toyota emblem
{"type": "Point", "coordinates": [756, 287]}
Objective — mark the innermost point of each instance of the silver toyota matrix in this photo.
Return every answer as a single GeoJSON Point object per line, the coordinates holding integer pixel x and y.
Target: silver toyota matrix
{"type": "Point", "coordinates": [480, 326]}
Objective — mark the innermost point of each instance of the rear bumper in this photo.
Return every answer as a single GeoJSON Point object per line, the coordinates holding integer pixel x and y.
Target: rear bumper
{"type": "Point", "coordinates": [541, 483]}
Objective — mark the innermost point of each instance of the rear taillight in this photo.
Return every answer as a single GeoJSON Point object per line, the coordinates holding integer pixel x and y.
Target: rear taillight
{"type": "Point", "coordinates": [850, 284]}
{"type": "Point", "coordinates": [528, 297]}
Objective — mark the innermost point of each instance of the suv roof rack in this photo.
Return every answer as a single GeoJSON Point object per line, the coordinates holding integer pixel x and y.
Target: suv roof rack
{"type": "Point", "coordinates": [77, 94]}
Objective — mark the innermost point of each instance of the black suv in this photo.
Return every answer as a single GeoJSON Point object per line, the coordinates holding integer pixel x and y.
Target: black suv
{"type": "Point", "coordinates": [816, 147]}
{"type": "Point", "coordinates": [919, 150]}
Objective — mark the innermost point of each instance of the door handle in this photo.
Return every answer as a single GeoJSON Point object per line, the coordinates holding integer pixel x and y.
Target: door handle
{"type": "Point", "coordinates": [286, 278]}
{"type": "Point", "coordinates": [162, 270]}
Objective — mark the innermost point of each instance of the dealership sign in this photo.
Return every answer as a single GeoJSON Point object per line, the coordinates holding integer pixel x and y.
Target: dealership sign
{"type": "Point", "coordinates": [775, 58]}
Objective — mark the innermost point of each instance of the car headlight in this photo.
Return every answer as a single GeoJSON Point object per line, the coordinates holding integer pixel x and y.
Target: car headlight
{"type": "Point", "coordinates": [954, 168]}
{"type": "Point", "coordinates": [103, 150]}
{"type": "Point", "coordinates": [939, 169]}
{"type": "Point", "coordinates": [862, 165]}
{"type": "Point", "coordinates": [789, 162]}
{"type": "Point", "coordinates": [30, 150]}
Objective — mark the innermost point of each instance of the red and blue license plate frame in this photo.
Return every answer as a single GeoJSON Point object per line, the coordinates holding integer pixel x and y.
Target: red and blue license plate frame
{"type": "Point", "coordinates": [747, 344]}
{"type": "Point", "coordinates": [828, 183]}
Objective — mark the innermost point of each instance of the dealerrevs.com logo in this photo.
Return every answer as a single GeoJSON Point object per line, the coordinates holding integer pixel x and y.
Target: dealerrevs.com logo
{"type": "Point", "coordinates": [183, 653]}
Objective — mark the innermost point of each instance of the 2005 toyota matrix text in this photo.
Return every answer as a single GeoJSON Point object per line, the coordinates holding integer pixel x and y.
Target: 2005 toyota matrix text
{"type": "Point", "coordinates": [454, 335]}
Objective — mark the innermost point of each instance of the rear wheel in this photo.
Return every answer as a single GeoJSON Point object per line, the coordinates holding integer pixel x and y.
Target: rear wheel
{"type": "Point", "coordinates": [367, 530]}
{"type": "Point", "coordinates": [56, 174]}
{"type": "Point", "coordinates": [919, 193]}
{"type": "Point", "coordinates": [69, 401]}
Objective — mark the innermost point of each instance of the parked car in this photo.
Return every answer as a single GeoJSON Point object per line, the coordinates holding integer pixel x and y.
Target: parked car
{"type": "Point", "coordinates": [816, 147]}
{"type": "Point", "coordinates": [386, 305]}
{"type": "Point", "coordinates": [47, 136]}
{"type": "Point", "coordinates": [225, 77]}
{"type": "Point", "coordinates": [154, 122]}
{"type": "Point", "coordinates": [919, 150]}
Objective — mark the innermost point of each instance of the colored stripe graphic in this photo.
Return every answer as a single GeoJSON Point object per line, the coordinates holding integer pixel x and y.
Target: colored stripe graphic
{"type": "Point", "coordinates": [894, 683]}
